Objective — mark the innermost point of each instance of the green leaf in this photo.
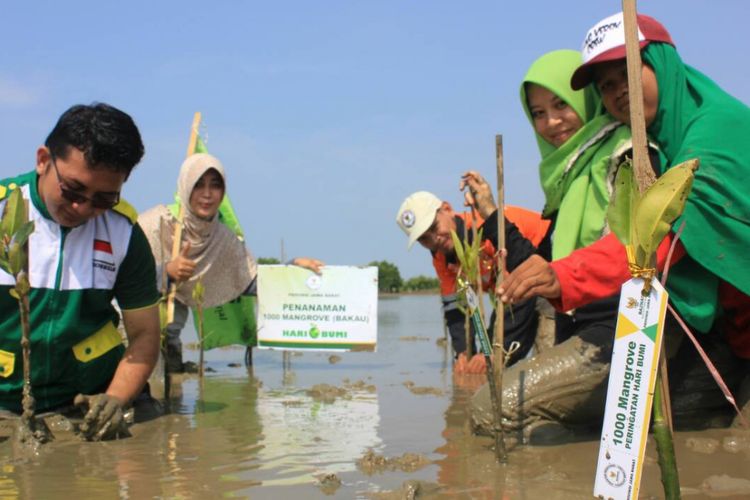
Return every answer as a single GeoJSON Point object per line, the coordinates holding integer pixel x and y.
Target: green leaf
{"type": "Point", "coordinates": [458, 246]}
{"type": "Point", "coordinates": [198, 292]}
{"type": "Point", "coordinates": [14, 294]}
{"type": "Point", "coordinates": [24, 232]}
{"type": "Point", "coordinates": [16, 258]}
{"type": "Point", "coordinates": [14, 215]}
{"type": "Point", "coordinates": [6, 223]}
{"type": "Point", "coordinates": [662, 204]}
{"type": "Point", "coordinates": [622, 206]}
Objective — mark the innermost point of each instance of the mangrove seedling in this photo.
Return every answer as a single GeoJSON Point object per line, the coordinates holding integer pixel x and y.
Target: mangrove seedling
{"type": "Point", "coordinates": [469, 256]}
{"type": "Point", "coordinates": [198, 292]}
{"type": "Point", "coordinates": [15, 229]}
{"type": "Point", "coordinates": [641, 222]}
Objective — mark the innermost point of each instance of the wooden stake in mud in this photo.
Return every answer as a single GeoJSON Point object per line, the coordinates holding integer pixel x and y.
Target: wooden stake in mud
{"type": "Point", "coordinates": [178, 227]}
{"type": "Point", "coordinates": [644, 175]}
{"type": "Point", "coordinates": [498, 348]}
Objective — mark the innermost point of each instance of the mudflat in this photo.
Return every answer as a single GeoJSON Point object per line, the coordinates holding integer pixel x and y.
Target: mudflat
{"type": "Point", "coordinates": [389, 424]}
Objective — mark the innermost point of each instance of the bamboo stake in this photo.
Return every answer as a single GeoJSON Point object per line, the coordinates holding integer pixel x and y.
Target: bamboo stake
{"type": "Point", "coordinates": [644, 174]}
{"type": "Point", "coordinates": [166, 381]}
{"type": "Point", "coordinates": [499, 344]}
{"type": "Point", "coordinates": [178, 227]}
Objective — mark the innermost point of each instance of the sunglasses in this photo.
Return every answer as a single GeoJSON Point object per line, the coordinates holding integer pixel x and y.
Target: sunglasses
{"type": "Point", "coordinates": [105, 201]}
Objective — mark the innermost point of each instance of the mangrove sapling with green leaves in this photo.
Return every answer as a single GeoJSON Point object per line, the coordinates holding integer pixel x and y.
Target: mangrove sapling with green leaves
{"type": "Point", "coordinates": [469, 273]}
{"type": "Point", "coordinates": [468, 337]}
{"type": "Point", "coordinates": [15, 229]}
{"type": "Point", "coordinates": [198, 292]}
{"type": "Point", "coordinates": [467, 254]}
{"type": "Point", "coordinates": [641, 222]}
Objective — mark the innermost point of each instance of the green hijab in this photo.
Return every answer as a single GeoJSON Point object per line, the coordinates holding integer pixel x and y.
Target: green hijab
{"type": "Point", "coordinates": [697, 119]}
{"type": "Point", "coordinates": [574, 177]}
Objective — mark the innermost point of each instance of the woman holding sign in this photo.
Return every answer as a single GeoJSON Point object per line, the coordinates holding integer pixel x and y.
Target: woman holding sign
{"type": "Point", "coordinates": [210, 252]}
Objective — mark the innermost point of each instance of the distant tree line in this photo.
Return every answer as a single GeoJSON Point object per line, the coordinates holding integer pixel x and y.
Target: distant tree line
{"type": "Point", "coordinates": [268, 260]}
{"type": "Point", "coordinates": [421, 282]}
{"type": "Point", "coordinates": [389, 279]}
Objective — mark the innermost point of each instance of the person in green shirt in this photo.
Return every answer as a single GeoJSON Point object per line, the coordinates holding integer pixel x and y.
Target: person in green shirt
{"type": "Point", "coordinates": [85, 251]}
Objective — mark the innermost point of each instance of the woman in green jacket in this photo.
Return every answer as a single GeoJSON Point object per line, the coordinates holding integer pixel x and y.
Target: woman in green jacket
{"type": "Point", "coordinates": [581, 148]}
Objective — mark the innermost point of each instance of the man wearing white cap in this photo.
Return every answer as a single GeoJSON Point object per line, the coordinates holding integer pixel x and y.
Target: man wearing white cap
{"type": "Point", "coordinates": [428, 220]}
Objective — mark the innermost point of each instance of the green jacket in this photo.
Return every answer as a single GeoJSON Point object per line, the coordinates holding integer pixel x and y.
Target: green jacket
{"type": "Point", "coordinates": [75, 274]}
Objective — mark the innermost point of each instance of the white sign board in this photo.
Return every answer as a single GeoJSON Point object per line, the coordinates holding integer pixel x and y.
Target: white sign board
{"type": "Point", "coordinates": [632, 378]}
{"type": "Point", "coordinates": [334, 311]}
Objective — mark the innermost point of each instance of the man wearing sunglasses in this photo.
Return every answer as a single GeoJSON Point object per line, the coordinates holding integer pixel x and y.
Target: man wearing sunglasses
{"type": "Point", "coordinates": [429, 221]}
{"type": "Point", "coordinates": [85, 251]}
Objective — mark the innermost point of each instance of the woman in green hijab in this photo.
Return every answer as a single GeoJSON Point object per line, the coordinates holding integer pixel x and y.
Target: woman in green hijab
{"type": "Point", "coordinates": [581, 148]}
{"type": "Point", "coordinates": [577, 169]}
{"type": "Point", "coordinates": [689, 116]}
{"type": "Point", "coordinates": [579, 162]}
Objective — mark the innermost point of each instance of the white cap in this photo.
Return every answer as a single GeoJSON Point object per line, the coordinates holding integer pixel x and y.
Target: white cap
{"type": "Point", "coordinates": [417, 213]}
{"type": "Point", "coordinates": [606, 42]}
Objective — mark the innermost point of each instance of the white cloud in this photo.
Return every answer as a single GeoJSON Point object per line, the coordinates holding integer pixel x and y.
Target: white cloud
{"type": "Point", "coordinates": [16, 94]}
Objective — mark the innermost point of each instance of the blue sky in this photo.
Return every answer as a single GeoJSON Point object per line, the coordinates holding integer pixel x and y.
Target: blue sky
{"type": "Point", "coordinates": [326, 114]}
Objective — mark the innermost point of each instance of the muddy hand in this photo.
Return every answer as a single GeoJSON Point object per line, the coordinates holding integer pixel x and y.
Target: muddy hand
{"type": "Point", "coordinates": [479, 194]}
{"type": "Point", "coordinates": [475, 366]}
{"type": "Point", "coordinates": [313, 265]}
{"type": "Point", "coordinates": [104, 417]}
{"type": "Point", "coordinates": [534, 277]}
{"type": "Point", "coordinates": [459, 367]}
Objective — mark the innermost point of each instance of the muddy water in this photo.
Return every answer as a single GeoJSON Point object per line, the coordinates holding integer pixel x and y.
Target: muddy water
{"type": "Point", "coordinates": [356, 428]}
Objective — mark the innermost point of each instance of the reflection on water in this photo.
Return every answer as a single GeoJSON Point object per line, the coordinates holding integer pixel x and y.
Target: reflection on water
{"type": "Point", "coordinates": [297, 427]}
{"type": "Point", "coordinates": [263, 434]}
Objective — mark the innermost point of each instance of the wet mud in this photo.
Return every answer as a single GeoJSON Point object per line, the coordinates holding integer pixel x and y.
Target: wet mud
{"type": "Point", "coordinates": [329, 483]}
{"type": "Point", "coordinates": [422, 391]}
{"type": "Point", "coordinates": [372, 463]}
{"type": "Point", "coordinates": [410, 490]}
{"type": "Point", "coordinates": [301, 427]}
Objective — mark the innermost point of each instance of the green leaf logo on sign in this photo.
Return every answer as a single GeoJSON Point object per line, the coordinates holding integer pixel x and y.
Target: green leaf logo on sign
{"type": "Point", "coordinates": [314, 332]}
